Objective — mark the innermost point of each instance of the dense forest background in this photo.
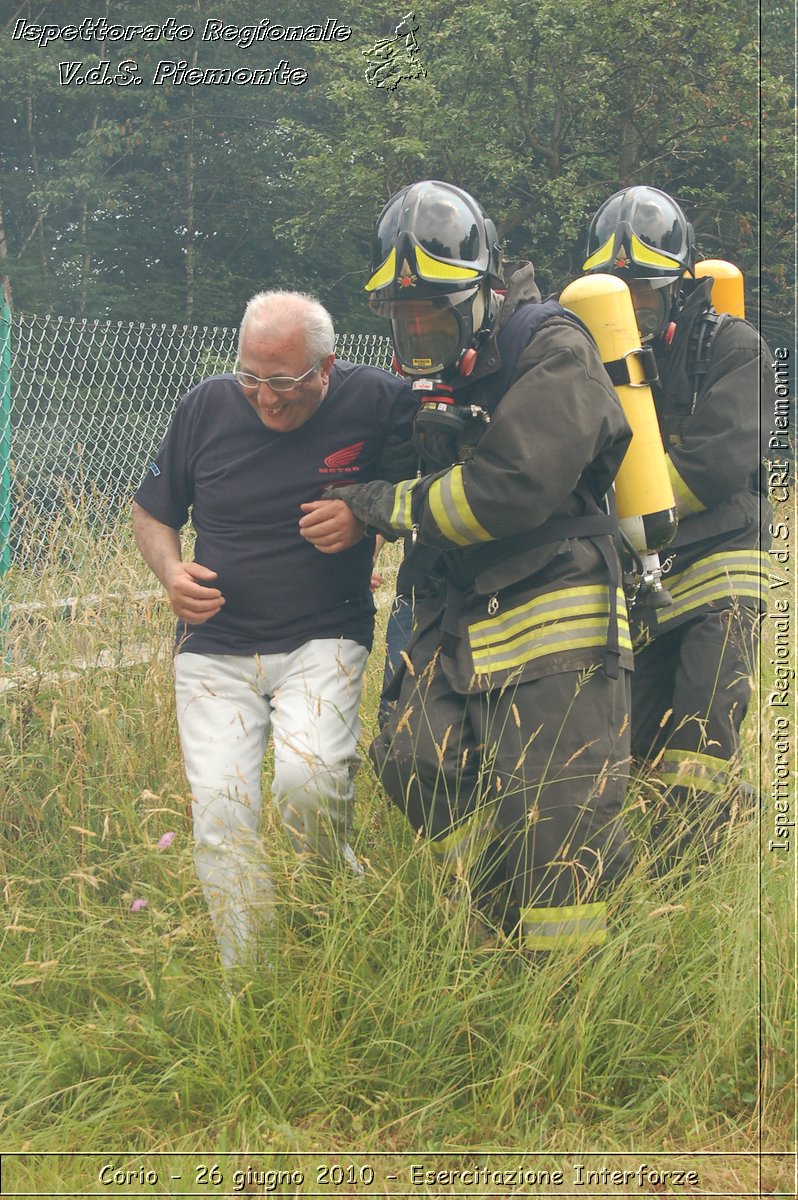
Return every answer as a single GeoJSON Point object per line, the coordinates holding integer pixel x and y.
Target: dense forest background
{"type": "Point", "coordinates": [175, 203]}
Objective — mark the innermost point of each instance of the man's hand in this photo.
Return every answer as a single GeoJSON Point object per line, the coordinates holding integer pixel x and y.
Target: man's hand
{"type": "Point", "coordinates": [376, 579]}
{"type": "Point", "coordinates": [190, 600]}
{"type": "Point", "coordinates": [160, 548]}
{"type": "Point", "coordinates": [330, 525]}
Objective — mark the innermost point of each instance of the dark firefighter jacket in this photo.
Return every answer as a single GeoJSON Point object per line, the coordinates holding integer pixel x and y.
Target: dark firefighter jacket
{"type": "Point", "coordinates": [710, 425]}
{"type": "Point", "coordinates": [555, 441]}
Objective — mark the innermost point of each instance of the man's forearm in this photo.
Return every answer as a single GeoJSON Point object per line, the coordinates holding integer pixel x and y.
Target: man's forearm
{"type": "Point", "coordinates": [188, 584]}
{"type": "Point", "coordinates": [159, 544]}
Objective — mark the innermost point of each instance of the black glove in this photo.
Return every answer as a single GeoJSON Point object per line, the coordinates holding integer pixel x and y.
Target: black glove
{"type": "Point", "coordinates": [372, 503]}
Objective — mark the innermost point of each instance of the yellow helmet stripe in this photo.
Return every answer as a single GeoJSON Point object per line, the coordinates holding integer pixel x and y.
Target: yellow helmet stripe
{"type": "Point", "coordinates": [646, 257]}
{"type": "Point", "coordinates": [641, 254]}
{"type": "Point", "coordinates": [433, 269]}
{"type": "Point", "coordinates": [601, 256]}
{"type": "Point", "coordinates": [383, 274]}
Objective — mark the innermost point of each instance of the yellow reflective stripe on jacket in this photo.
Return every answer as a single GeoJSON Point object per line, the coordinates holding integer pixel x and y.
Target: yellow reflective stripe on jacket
{"type": "Point", "coordinates": [452, 513]}
{"type": "Point", "coordinates": [735, 573]}
{"type": "Point", "coordinates": [402, 513]}
{"type": "Point", "coordinates": [689, 769]}
{"type": "Point", "coordinates": [558, 928]}
{"type": "Point", "coordinates": [686, 501]}
{"type": "Point", "coordinates": [570, 619]}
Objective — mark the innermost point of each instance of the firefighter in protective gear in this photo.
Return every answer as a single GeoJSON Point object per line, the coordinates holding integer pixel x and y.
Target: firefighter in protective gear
{"type": "Point", "coordinates": [694, 660]}
{"type": "Point", "coordinates": [508, 746]}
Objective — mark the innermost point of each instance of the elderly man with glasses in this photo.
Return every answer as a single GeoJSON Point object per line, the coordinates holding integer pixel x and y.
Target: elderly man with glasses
{"type": "Point", "coordinates": [272, 636]}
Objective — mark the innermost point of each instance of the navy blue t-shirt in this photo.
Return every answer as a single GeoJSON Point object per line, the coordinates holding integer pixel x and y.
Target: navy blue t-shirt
{"type": "Point", "coordinates": [243, 485]}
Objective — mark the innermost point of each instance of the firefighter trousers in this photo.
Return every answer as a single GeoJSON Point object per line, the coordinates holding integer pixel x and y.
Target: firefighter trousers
{"type": "Point", "coordinates": [690, 693]}
{"type": "Point", "coordinates": [533, 774]}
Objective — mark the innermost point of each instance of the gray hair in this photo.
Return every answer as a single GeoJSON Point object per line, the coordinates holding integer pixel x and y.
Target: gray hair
{"type": "Point", "coordinates": [278, 312]}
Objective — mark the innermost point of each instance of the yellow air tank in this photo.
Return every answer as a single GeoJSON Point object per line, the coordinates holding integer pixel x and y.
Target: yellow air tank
{"type": "Point", "coordinates": [728, 290]}
{"type": "Point", "coordinates": [643, 493]}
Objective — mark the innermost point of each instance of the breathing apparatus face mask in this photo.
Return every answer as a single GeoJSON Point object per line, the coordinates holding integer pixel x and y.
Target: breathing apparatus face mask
{"type": "Point", "coordinates": [653, 302]}
{"type": "Point", "coordinates": [433, 341]}
{"type": "Point", "coordinates": [431, 336]}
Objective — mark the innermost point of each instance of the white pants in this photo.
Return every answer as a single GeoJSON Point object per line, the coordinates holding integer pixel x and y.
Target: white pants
{"type": "Point", "coordinates": [226, 706]}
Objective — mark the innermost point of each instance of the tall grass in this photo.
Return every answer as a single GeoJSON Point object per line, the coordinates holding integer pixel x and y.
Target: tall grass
{"type": "Point", "coordinates": [388, 1025]}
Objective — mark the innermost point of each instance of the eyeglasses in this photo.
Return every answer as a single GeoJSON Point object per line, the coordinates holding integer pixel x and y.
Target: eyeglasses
{"type": "Point", "coordinates": [276, 383]}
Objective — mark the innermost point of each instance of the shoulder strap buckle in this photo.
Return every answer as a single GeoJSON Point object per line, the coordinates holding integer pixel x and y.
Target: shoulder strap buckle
{"type": "Point", "coordinates": [618, 368]}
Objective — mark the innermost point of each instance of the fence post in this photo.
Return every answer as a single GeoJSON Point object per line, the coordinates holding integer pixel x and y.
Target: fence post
{"type": "Point", "coordinates": [5, 466]}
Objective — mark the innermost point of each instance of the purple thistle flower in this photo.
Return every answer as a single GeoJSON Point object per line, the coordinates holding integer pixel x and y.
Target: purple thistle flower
{"type": "Point", "coordinates": [137, 905]}
{"type": "Point", "coordinates": [166, 840]}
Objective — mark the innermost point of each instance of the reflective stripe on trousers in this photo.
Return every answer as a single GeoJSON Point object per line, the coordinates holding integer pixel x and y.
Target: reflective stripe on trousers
{"type": "Point", "coordinates": [575, 925]}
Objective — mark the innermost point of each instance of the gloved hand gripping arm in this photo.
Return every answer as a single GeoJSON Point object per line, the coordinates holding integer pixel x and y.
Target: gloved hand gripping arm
{"type": "Point", "coordinates": [383, 507]}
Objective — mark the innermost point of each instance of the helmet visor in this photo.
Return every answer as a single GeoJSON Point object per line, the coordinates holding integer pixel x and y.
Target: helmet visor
{"type": "Point", "coordinates": [647, 213]}
{"type": "Point", "coordinates": [428, 335]}
{"type": "Point", "coordinates": [445, 225]}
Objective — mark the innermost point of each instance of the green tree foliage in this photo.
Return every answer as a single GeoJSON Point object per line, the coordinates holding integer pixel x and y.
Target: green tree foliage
{"type": "Point", "coordinates": [170, 203]}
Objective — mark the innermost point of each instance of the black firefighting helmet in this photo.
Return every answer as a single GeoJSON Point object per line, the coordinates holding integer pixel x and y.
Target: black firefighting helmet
{"type": "Point", "coordinates": [435, 258]}
{"type": "Point", "coordinates": [642, 235]}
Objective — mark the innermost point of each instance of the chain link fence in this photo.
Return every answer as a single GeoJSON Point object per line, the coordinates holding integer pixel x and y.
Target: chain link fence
{"type": "Point", "coordinates": [89, 404]}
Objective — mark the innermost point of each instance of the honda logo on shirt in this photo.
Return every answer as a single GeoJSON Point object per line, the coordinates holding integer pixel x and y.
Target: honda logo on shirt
{"type": "Point", "coordinates": [341, 460]}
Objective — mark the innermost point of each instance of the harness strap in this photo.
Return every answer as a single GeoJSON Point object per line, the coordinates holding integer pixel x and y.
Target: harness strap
{"type": "Point", "coordinates": [700, 351]}
{"type": "Point", "coordinates": [513, 338]}
{"type": "Point", "coordinates": [618, 368]}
